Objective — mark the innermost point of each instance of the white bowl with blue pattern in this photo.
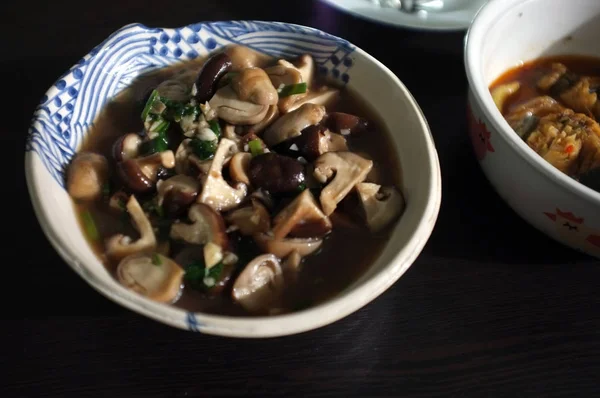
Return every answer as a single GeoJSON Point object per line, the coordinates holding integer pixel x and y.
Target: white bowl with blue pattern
{"type": "Point", "coordinates": [68, 109]}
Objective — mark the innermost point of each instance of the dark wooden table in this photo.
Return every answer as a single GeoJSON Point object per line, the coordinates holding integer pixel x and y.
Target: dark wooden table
{"type": "Point", "coordinates": [491, 307]}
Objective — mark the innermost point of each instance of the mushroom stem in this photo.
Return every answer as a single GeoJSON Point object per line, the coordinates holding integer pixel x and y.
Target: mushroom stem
{"type": "Point", "coordinates": [347, 170]}
{"type": "Point", "coordinates": [216, 192]}
{"type": "Point", "coordinates": [152, 275]}
{"type": "Point", "coordinates": [120, 246]}
{"type": "Point", "coordinates": [260, 284]}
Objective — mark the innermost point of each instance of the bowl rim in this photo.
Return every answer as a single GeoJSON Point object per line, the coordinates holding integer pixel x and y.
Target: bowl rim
{"type": "Point", "coordinates": [474, 38]}
{"type": "Point", "coordinates": [264, 326]}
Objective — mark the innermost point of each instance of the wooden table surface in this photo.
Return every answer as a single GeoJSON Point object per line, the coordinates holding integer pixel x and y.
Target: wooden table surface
{"type": "Point", "coordinates": [491, 308]}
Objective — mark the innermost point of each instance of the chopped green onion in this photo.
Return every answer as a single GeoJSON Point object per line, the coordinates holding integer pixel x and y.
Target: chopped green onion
{"type": "Point", "coordinates": [292, 89]}
{"type": "Point", "coordinates": [156, 259]}
{"type": "Point", "coordinates": [198, 277]}
{"type": "Point", "coordinates": [301, 187]}
{"type": "Point", "coordinates": [158, 126]}
{"type": "Point", "coordinates": [204, 149]}
{"type": "Point", "coordinates": [190, 110]}
{"type": "Point", "coordinates": [149, 105]}
{"type": "Point", "coordinates": [215, 127]}
{"type": "Point", "coordinates": [89, 225]}
{"type": "Point", "coordinates": [256, 147]}
{"type": "Point", "coordinates": [160, 143]}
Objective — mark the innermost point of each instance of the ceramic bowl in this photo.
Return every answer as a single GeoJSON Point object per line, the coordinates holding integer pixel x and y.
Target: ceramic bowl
{"type": "Point", "coordinates": [70, 106]}
{"type": "Point", "coordinates": [504, 34]}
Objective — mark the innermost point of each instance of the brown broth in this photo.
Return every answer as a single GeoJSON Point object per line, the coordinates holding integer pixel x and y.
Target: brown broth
{"type": "Point", "coordinates": [530, 72]}
{"type": "Point", "coordinates": [345, 254]}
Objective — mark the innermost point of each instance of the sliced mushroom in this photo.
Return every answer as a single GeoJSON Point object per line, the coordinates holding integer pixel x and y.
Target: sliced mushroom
{"type": "Point", "coordinates": [291, 266]}
{"type": "Point", "coordinates": [207, 226]}
{"type": "Point", "coordinates": [276, 173]}
{"type": "Point", "coordinates": [251, 219]}
{"type": "Point", "coordinates": [164, 248]}
{"type": "Point", "coordinates": [254, 85]}
{"type": "Point", "coordinates": [235, 111]}
{"type": "Point", "coordinates": [243, 57]}
{"type": "Point", "coordinates": [213, 69]}
{"type": "Point", "coordinates": [302, 218]}
{"type": "Point", "coordinates": [291, 124]}
{"type": "Point", "coordinates": [239, 167]}
{"type": "Point", "coordinates": [182, 163]}
{"type": "Point", "coordinates": [382, 205]}
{"type": "Point", "coordinates": [306, 66]}
{"type": "Point", "coordinates": [201, 167]}
{"type": "Point", "coordinates": [87, 175]}
{"type": "Point", "coordinates": [229, 133]}
{"type": "Point", "coordinates": [375, 174]}
{"type": "Point", "coordinates": [260, 285]}
{"type": "Point", "coordinates": [152, 275]}
{"type": "Point", "coordinates": [270, 117]}
{"type": "Point", "coordinates": [177, 193]}
{"type": "Point", "coordinates": [285, 74]}
{"type": "Point", "coordinates": [346, 124]}
{"type": "Point", "coordinates": [141, 174]}
{"type": "Point", "coordinates": [263, 196]}
{"type": "Point", "coordinates": [349, 170]}
{"type": "Point", "coordinates": [324, 96]}
{"type": "Point", "coordinates": [216, 192]}
{"type": "Point", "coordinates": [283, 247]}
{"type": "Point", "coordinates": [317, 140]}
{"type": "Point", "coordinates": [174, 90]}
{"type": "Point", "coordinates": [126, 147]}
{"type": "Point", "coordinates": [120, 246]}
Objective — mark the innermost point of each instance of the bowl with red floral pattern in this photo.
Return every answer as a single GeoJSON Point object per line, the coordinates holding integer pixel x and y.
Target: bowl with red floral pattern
{"type": "Point", "coordinates": [538, 148]}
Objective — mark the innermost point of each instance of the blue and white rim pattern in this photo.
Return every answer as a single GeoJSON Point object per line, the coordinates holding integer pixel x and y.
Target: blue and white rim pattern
{"type": "Point", "coordinates": [69, 108]}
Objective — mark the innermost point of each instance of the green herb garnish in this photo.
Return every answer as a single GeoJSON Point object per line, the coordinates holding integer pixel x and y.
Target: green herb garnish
{"type": "Point", "coordinates": [301, 187]}
{"type": "Point", "coordinates": [156, 260]}
{"type": "Point", "coordinates": [160, 143]}
{"type": "Point", "coordinates": [198, 277]}
{"type": "Point", "coordinates": [90, 225]}
{"type": "Point", "coordinates": [204, 149]}
{"type": "Point", "coordinates": [256, 147]}
{"type": "Point", "coordinates": [292, 89]}
{"type": "Point", "coordinates": [159, 125]}
{"type": "Point", "coordinates": [215, 127]}
{"type": "Point", "coordinates": [149, 104]}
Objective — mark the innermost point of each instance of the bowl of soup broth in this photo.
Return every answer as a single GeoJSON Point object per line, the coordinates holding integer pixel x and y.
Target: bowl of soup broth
{"type": "Point", "coordinates": [534, 111]}
{"type": "Point", "coordinates": [241, 178]}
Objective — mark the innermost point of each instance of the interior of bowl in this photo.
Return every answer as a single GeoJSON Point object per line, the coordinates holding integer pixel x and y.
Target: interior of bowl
{"type": "Point", "coordinates": [68, 109]}
{"type": "Point", "coordinates": [507, 33]}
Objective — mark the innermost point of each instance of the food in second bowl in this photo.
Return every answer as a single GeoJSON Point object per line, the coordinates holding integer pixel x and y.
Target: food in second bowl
{"type": "Point", "coordinates": [240, 184]}
{"type": "Point", "coordinates": [553, 104]}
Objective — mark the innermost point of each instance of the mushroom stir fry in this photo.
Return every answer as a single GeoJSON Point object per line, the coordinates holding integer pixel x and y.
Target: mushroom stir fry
{"type": "Point", "coordinates": [556, 113]}
{"type": "Point", "coordinates": [248, 151]}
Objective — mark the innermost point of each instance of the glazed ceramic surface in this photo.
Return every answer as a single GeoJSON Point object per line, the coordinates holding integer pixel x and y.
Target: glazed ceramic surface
{"type": "Point", "coordinates": [505, 34]}
{"type": "Point", "coordinates": [68, 109]}
{"type": "Point", "coordinates": [456, 14]}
